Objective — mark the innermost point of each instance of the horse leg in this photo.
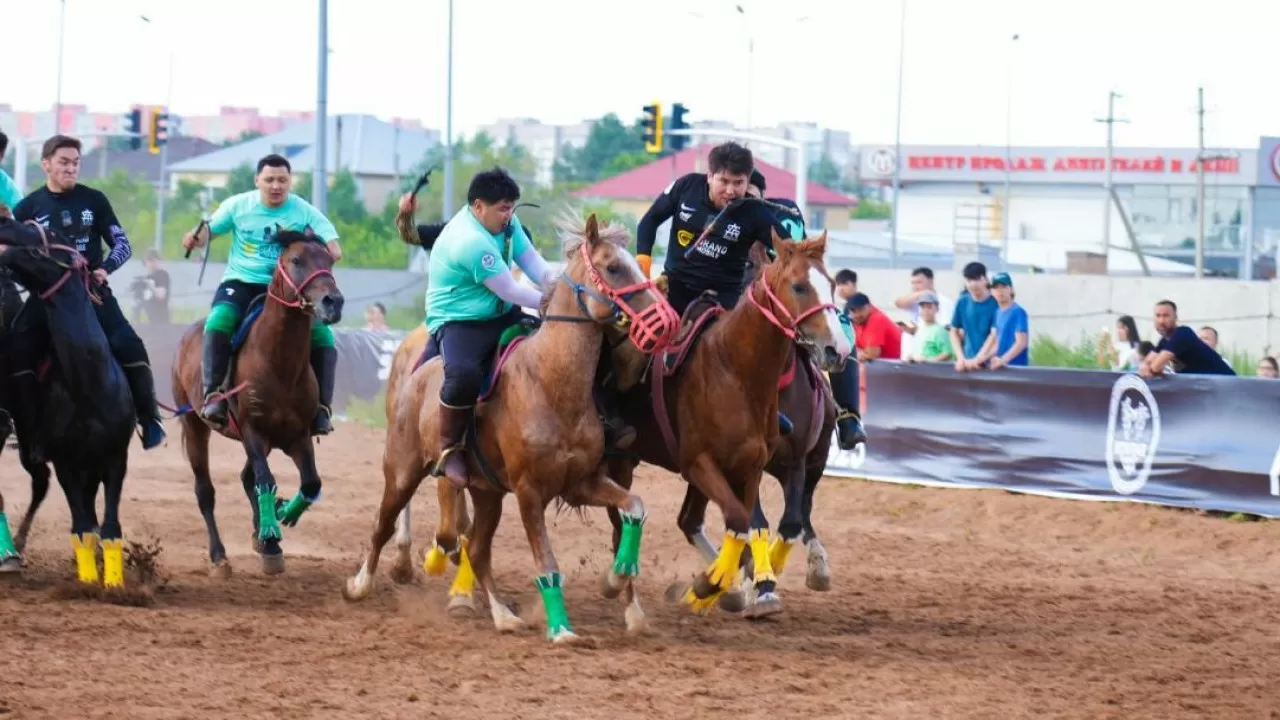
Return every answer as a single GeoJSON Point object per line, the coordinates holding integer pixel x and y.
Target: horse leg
{"type": "Point", "coordinates": [450, 544]}
{"type": "Point", "coordinates": [550, 582]}
{"type": "Point", "coordinates": [691, 521]}
{"type": "Point", "coordinates": [303, 454]}
{"type": "Point", "coordinates": [263, 498]}
{"type": "Point", "coordinates": [399, 485]}
{"type": "Point", "coordinates": [84, 533]}
{"type": "Point", "coordinates": [719, 577]}
{"type": "Point", "coordinates": [402, 567]}
{"type": "Point", "coordinates": [195, 442]}
{"type": "Point", "coordinates": [818, 574]}
{"type": "Point", "coordinates": [112, 477]}
{"type": "Point", "coordinates": [10, 560]}
{"type": "Point", "coordinates": [39, 472]}
{"type": "Point", "coordinates": [477, 553]}
{"type": "Point", "coordinates": [599, 491]}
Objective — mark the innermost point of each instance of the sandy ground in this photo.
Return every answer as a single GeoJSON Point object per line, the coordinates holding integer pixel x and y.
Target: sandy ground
{"type": "Point", "coordinates": [945, 604]}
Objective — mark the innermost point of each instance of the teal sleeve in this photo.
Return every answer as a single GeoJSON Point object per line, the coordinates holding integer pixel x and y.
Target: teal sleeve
{"type": "Point", "coordinates": [224, 218]}
{"type": "Point", "coordinates": [10, 193]}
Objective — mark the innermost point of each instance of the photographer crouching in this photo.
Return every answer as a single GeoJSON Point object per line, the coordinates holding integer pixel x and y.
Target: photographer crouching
{"type": "Point", "coordinates": [151, 292]}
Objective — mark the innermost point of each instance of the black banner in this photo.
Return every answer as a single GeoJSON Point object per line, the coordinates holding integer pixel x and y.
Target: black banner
{"type": "Point", "coordinates": [364, 359]}
{"type": "Point", "coordinates": [1208, 442]}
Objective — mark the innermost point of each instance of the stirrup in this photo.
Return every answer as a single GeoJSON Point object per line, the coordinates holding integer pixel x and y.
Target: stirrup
{"type": "Point", "coordinates": [445, 454]}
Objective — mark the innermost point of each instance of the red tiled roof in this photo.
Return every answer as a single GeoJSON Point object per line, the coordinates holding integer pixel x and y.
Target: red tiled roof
{"type": "Point", "coordinates": [647, 181]}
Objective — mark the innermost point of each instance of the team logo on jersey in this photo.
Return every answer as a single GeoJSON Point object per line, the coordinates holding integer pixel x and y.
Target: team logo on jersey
{"type": "Point", "coordinates": [684, 216]}
{"type": "Point", "coordinates": [488, 260]}
{"type": "Point", "coordinates": [86, 218]}
{"type": "Point", "coordinates": [66, 218]}
{"type": "Point", "coordinates": [1133, 434]}
{"type": "Point", "coordinates": [733, 231]}
{"type": "Point", "coordinates": [684, 237]}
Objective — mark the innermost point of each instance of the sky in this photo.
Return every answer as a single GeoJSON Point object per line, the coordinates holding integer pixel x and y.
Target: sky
{"type": "Point", "coordinates": [832, 62]}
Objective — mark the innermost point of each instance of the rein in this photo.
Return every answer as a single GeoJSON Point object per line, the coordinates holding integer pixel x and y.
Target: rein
{"type": "Point", "coordinates": [301, 303]}
{"type": "Point", "coordinates": [77, 265]}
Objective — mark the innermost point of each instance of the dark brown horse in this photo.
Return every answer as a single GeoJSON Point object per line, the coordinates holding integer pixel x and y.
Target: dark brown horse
{"type": "Point", "coordinates": [537, 434]}
{"type": "Point", "coordinates": [272, 395]}
{"type": "Point", "coordinates": [719, 395]}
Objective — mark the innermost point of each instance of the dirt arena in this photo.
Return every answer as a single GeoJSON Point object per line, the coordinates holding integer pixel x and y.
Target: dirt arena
{"type": "Point", "coordinates": [946, 603]}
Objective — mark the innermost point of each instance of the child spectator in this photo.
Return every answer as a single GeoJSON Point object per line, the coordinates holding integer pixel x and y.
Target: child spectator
{"type": "Point", "coordinates": [932, 343]}
{"type": "Point", "coordinates": [974, 316]}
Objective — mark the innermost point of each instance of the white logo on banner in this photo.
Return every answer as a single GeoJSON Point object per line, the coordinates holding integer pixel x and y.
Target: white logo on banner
{"type": "Point", "coordinates": [1275, 474]}
{"type": "Point", "coordinates": [1133, 434]}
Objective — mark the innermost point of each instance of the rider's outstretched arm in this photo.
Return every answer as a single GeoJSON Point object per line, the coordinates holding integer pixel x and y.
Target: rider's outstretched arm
{"type": "Point", "coordinates": [505, 286]}
{"type": "Point", "coordinates": [662, 210]}
{"type": "Point", "coordinates": [527, 256]}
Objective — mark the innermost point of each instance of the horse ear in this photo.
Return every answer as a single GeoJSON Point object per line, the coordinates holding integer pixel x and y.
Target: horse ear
{"type": "Point", "coordinates": [760, 255]}
{"type": "Point", "coordinates": [592, 230]}
{"type": "Point", "coordinates": [816, 248]}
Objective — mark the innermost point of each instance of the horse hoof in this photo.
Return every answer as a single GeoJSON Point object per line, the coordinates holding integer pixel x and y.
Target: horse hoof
{"type": "Point", "coordinates": [220, 570]}
{"type": "Point", "coordinates": [637, 624]}
{"type": "Point", "coordinates": [565, 637]}
{"type": "Point", "coordinates": [819, 582]}
{"type": "Point", "coordinates": [765, 605]}
{"type": "Point", "coordinates": [675, 592]}
{"type": "Point", "coordinates": [11, 566]}
{"type": "Point", "coordinates": [273, 564]}
{"type": "Point", "coordinates": [461, 606]}
{"type": "Point", "coordinates": [402, 572]}
{"type": "Point", "coordinates": [607, 588]}
{"type": "Point", "coordinates": [733, 601]}
{"type": "Point", "coordinates": [257, 544]}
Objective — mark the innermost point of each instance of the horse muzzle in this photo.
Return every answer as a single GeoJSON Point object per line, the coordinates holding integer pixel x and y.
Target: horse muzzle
{"type": "Point", "coordinates": [329, 309]}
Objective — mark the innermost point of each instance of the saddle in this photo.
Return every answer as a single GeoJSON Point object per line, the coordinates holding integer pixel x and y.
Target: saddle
{"type": "Point", "coordinates": [251, 316]}
{"type": "Point", "coordinates": [698, 316]}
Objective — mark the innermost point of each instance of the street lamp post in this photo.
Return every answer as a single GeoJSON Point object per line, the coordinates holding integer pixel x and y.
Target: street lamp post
{"type": "Point", "coordinates": [162, 186]}
{"type": "Point", "coordinates": [1007, 216]}
{"type": "Point", "coordinates": [319, 166]}
{"type": "Point", "coordinates": [448, 124]}
{"type": "Point", "coordinates": [897, 141]}
{"type": "Point", "coordinates": [57, 103]}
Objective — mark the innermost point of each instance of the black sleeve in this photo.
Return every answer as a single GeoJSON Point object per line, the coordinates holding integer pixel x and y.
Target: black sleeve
{"type": "Point", "coordinates": [161, 278]}
{"type": "Point", "coordinates": [108, 226]}
{"type": "Point", "coordinates": [662, 210]}
{"type": "Point", "coordinates": [763, 221]}
{"type": "Point", "coordinates": [22, 212]}
{"type": "Point", "coordinates": [428, 234]}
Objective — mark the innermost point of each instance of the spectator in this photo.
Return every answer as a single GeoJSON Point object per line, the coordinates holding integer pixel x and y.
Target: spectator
{"type": "Point", "coordinates": [846, 287]}
{"type": "Point", "coordinates": [1010, 337]}
{"type": "Point", "coordinates": [1120, 353]}
{"type": "Point", "coordinates": [151, 292]}
{"type": "Point", "coordinates": [1181, 347]}
{"type": "Point", "coordinates": [974, 316]}
{"type": "Point", "coordinates": [1210, 337]}
{"type": "Point", "coordinates": [921, 283]}
{"type": "Point", "coordinates": [375, 317]}
{"type": "Point", "coordinates": [932, 344]}
{"type": "Point", "coordinates": [1267, 367]}
{"type": "Point", "coordinates": [877, 336]}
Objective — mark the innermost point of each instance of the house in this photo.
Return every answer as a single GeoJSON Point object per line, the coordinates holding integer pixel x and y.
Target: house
{"type": "Point", "coordinates": [632, 192]}
{"type": "Point", "coordinates": [141, 164]}
{"type": "Point", "coordinates": [376, 152]}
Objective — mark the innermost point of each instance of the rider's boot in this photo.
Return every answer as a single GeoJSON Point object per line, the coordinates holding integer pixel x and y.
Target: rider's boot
{"type": "Point", "coordinates": [844, 390]}
{"type": "Point", "coordinates": [849, 432]}
{"type": "Point", "coordinates": [143, 387]}
{"type": "Point", "coordinates": [26, 413]}
{"type": "Point", "coordinates": [618, 435]}
{"type": "Point", "coordinates": [324, 362]}
{"type": "Point", "coordinates": [217, 355]}
{"type": "Point", "coordinates": [454, 422]}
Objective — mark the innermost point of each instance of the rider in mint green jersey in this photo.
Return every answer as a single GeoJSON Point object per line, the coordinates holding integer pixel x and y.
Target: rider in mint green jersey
{"type": "Point", "coordinates": [254, 218]}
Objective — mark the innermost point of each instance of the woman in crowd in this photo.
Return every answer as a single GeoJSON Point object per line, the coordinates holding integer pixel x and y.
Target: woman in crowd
{"type": "Point", "coordinates": [1120, 353]}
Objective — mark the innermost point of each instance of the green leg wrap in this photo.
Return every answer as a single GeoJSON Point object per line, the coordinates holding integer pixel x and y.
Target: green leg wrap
{"type": "Point", "coordinates": [627, 562]}
{"type": "Point", "coordinates": [7, 550]}
{"type": "Point", "coordinates": [551, 587]}
{"type": "Point", "coordinates": [294, 509]}
{"type": "Point", "coordinates": [322, 335]}
{"type": "Point", "coordinates": [268, 524]}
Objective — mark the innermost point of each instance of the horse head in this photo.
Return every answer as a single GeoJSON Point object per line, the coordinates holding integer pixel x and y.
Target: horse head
{"type": "Point", "coordinates": [612, 289]}
{"type": "Point", "coordinates": [39, 258]}
{"type": "Point", "coordinates": [304, 276]}
{"type": "Point", "coordinates": [790, 302]}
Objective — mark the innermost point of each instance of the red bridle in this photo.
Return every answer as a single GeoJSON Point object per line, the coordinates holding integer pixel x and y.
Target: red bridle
{"type": "Point", "coordinates": [792, 329]}
{"type": "Point", "coordinates": [78, 265]}
{"type": "Point", "coordinates": [301, 303]}
{"type": "Point", "coordinates": [652, 329]}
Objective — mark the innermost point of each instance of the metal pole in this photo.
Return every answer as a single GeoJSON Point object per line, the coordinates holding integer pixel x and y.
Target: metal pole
{"type": "Point", "coordinates": [751, 61]}
{"type": "Point", "coordinates": [162, 187]}
{"type": "Point", "coordinates": [57, 105]}
{"type": "Point", "coordinates": [1008, 151]}
{"type": "Point", "coordinates": [448, 124]}
{"type": "Point", "coordinates": [1200, 209]}
{"type": "Point", "coordinates": [1106, 196]}
{"type": "Point", "coordinates": [20, 164]}
{"type": "Point", "coordinates": [320, 173]}
{"type": "Point", "coordinates": [897, 142]}
{"type": "Point", "coordinates": [802, 183]}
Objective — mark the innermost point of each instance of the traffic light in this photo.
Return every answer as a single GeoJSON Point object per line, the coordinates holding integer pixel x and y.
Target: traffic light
{"type": "Point", "coordinates": [678, 111]}
{"type": "Point", "coordinates": [135, 128]}
{"type": "Point", "coordinates": [158, 133]}
{"type": "Point", "coordinates": [653, 127]}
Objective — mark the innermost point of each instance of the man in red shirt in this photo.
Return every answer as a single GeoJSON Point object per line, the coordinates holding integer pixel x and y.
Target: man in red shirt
{"type": "Point", "coordinates": [876, 336]}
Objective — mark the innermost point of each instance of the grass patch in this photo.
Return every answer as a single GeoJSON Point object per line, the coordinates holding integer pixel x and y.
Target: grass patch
{"type": "Point", "coordinates": [372, 413]}
{"type": "Point", "coordinates": [1083, 355]}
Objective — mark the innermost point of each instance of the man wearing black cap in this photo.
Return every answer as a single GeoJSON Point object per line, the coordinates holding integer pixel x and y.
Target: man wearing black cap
{"type": "Point", "coordinates": [1009, 339]}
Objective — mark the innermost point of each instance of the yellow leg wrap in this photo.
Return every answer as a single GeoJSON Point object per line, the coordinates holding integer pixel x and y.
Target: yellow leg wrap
{"type": "Point", "coordinates": [464, 582]}
{"type": "Point", "coordinates": [436, 561]}
{"type": "Point", "coordinates": [721, 573]}
{"type": "Point", "coordinates": [760, 556]}
{"type": "Point", "coordinates": [779, 549]}
{"type": "Point", "coordinates": [86, 557]}
{"type": "Point", "coordinates": [113, 563]}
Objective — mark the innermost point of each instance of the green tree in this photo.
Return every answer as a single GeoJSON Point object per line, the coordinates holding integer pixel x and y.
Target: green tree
{"type": "Point", "coordinates": [240, 179]}
{"type": "Point", "coordinates": [611, 148]}
{"type": "Point", "coordinates": [245, 136]}
{"type": "Point", "coordinates": [825, 172]}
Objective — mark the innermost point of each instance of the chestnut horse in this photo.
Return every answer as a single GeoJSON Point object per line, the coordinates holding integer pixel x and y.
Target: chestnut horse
{"type": "Point", "coordinates": [723, 384]}
{"type": "Point", "coordinates": [537, 434]}
{"type": "Point", "coordinates": [272, 396]}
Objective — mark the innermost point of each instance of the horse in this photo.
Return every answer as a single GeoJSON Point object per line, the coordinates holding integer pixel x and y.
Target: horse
{"type": "Point", "coordinates": [272, 395]}
{"type": "Point", "coordinates": [536, 434]}
{"type": "Point", "coordinates": [88, 412]}
{"type": "Point", "coordinates": [722, 378]}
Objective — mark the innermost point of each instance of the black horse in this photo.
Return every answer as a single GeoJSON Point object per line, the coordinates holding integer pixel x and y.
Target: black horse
{"type": "Point", "coordinates": [87, 413]}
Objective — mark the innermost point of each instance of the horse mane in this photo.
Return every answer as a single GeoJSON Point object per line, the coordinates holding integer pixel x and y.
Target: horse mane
{"type": "Point", "coordinates": [286, 238]}
{"type": "Point", "coordinates": [573, 232]}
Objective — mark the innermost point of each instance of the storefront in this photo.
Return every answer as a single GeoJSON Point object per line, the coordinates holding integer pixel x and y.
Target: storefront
{"type": "Point", "coordinates": [957, 194]}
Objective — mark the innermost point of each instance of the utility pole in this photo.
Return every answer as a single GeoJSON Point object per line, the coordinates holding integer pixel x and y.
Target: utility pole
{"type": "Point", "coordinates": [1203, 157]}
{"type": "Point", "coordinates": [319, 163]}
{"type": "Point", "coordinates": [897, 140]}
{"type": "Point", "coordinates": [447, 197]}
{"type": "Point", "coordinates": [1110, 120]}
{"type": "Point", "coordinates": [1007, 216]}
